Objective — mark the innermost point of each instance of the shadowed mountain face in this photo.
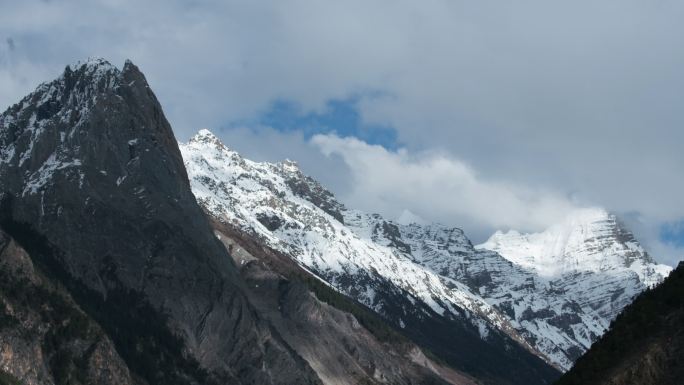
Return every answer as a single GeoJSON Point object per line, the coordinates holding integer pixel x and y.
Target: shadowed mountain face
{"type": "Point", "coordinates": [645, 343]}
{"type": "Point", "coordinates": [94, 188]}
{"type": "Point", "coordinates": [97, 216]}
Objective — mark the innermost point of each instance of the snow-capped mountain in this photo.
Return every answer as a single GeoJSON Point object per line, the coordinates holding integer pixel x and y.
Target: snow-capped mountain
{"type": "Point", "coordinates": [411, 271]}
{"type": "Point", "coordinates": [589, 240]}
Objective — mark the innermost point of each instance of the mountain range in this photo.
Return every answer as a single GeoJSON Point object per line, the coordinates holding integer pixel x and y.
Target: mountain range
{"type": "Point", "coordinates": [554, 293]}
{"type": "Point", "coordinates": [128, 259]}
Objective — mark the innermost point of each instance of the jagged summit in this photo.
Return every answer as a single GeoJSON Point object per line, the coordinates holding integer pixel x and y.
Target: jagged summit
{"type": "Point", "coordinates": [590, 239]}
{"type": "Point", "coordinates": [207, 145]}
{"type": "Point", "coordinates": [96, 64]}
{"type": "Point", "coordinates": [77, 87]}
{"type": "Point", "coordinates": [206, 137]}
{"type": "Point", "coordinates": [57, 130]}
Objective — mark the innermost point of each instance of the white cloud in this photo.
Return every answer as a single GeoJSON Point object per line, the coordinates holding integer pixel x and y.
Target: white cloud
{"type": "Point", "coordinates": [439, 187]}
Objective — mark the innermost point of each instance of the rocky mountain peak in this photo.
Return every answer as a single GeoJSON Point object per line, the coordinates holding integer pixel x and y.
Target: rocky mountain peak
{"type": "Point", "coordinates": [207, 148]}
{"type": "Point", "coordinates": [92, 72]}
{"type": "Point", "coordinates": [206, 137]}
{"type": "Point", "coordinates": [93, 183]}
{"type": "Point", "coordinates": [60, 131]}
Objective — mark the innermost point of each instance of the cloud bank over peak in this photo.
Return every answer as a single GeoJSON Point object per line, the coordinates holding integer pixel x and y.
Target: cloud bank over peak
{"type": "Point", "coordinates": [441, 187]}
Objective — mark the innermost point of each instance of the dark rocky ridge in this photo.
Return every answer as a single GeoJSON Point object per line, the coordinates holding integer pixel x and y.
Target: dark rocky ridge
{"type": "Point", "coordinates": [94, 188]}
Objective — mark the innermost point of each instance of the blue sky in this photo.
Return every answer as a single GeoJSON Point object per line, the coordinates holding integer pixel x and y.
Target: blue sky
{"type": "Point", "coordinates": [505, 115]}
{"type": "Point", "coordinates": [673, 233]}
{"type": "Point", "coordinates": [340, 117]}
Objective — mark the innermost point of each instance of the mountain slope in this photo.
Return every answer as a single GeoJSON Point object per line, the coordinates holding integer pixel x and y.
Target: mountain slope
{"type": "Point", "coordinates": [345, 343]}
{"type": "Point", "coordinates": [645, 343]}
{"type": "Point", "coordinates": [396, 269]}
{"type": "Point", "coordinates": [291, 213]}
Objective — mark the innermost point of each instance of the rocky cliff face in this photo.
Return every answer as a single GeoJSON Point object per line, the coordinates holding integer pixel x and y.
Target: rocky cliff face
{"type": "Point", "coordinates": [94, 188]}
{"type": "Point", "coordinates": [428, 279]}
